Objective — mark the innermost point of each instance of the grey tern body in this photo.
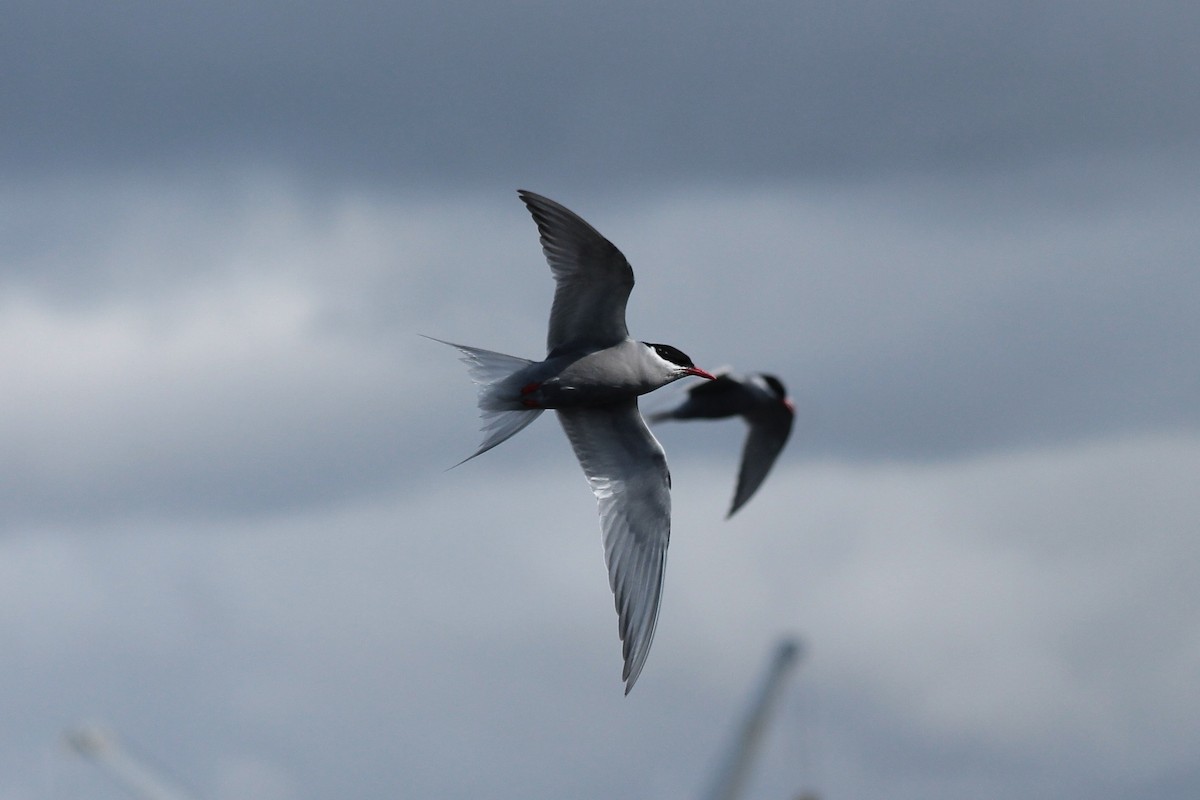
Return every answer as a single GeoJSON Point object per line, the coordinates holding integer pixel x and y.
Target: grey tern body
{"type": "Point", "coordinates": [592, 376]}
{"type": "Point", "coordinates": [758, 398]}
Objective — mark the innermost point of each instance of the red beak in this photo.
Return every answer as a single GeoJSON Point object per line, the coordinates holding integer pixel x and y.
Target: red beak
{"type": "Point", "coordinates": [699, 373]}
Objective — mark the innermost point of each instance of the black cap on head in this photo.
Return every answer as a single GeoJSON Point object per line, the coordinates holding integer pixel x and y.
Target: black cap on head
{"type": "Point", "coordinates": [672, 354]}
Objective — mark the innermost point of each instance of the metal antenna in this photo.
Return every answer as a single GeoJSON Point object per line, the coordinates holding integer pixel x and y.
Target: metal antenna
{"type": "Point", "coordinates": [99, 745]}
{"type": "Point", "coordinates": [731, 776]}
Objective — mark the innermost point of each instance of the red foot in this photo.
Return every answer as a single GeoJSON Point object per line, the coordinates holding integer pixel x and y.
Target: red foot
{"type": "Point", "coordinates": [529, 389]}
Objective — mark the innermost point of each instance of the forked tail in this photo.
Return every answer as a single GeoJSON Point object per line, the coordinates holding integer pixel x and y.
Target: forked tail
{"type": "Point", "coordinates": [499, 407]}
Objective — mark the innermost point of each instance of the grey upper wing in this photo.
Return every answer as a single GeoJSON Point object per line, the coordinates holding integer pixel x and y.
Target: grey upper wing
{"type": "Point", "coordinates": [769, 431]}
{"type": "Point", "coordinates": [627, 470]}
{"type": "Point", "coordinates": [592, 276]}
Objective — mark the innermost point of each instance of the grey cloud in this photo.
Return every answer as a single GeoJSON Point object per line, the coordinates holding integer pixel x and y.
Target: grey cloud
{"type": "Point", "coordinates": [943, 317]}
{"type": "Point", "coordinates": [477, 93]}
{"type": "Point", "coordinates": [210, 359]}
{"type": "Point", "coordinates": [225, 525]}
{"type": "Point", "coordinates": [968, 628]}
{"type": "Point", "coordinates": [182, 355]}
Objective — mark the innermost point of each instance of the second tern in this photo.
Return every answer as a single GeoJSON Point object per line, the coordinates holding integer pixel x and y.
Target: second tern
{"type": "Point", "coordinates": [758, 398]}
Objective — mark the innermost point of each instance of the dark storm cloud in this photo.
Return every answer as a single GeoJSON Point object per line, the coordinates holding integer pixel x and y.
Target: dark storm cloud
{"type": "Point", "coordinates": [480, 92]}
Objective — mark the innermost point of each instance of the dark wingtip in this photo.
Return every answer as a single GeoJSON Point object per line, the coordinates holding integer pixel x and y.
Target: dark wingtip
{"type": "Point", "coordinates": [737, 505]}
{"type": "Point", "coordinates": [531, 199]}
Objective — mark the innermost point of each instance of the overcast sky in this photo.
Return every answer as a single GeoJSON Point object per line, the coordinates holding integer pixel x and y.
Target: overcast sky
{"type": "Point", "coordinates": [963, 234]}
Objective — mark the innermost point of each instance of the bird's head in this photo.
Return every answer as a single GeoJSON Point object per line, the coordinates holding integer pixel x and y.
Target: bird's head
{"type": "Point", "coordinates": [677, 362]}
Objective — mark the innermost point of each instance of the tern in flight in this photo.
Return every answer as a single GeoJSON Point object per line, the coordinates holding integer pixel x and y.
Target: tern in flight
{"type": "Point", "coordinates": [592, 375]}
